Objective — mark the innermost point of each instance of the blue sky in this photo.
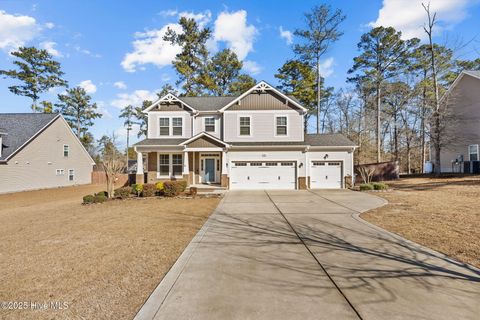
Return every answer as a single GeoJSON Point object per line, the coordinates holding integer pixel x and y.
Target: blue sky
{"type": "Point", "coordinates": [114, 48]}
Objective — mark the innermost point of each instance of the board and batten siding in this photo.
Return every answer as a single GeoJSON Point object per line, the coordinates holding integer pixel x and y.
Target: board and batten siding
{"type": "Point", "coordinates": [34, 166]}
{"type": "Point", "coordinates": [262, 126]}
{"type": "Point", "coordinates": [199, 125]}
{"type": "Point", "coordinates": [154, 128]}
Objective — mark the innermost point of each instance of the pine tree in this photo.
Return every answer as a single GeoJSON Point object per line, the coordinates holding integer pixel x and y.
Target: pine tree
{"type": "Point", "coordinates": [241, 84]}
{"type": "Point", "coordinates": [38, 72]}
{"type": "Point", "coordinates": [224, 68]}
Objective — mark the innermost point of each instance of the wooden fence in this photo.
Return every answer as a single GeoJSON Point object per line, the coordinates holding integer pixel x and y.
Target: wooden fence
{"type": "Point", "coordinates": [99, 177]}
{"type": "Point", "coordinates": [383, 171]}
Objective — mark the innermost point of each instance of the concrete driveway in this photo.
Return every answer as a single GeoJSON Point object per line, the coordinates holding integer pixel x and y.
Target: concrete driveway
{"type": "Point", "coordinates": [306, 255]}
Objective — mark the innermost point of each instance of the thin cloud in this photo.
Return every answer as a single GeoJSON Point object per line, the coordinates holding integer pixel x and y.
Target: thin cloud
{"type": "Point", "coordinates": [287, 35]}
{"type": "Point", "coordinates": [16, 30]}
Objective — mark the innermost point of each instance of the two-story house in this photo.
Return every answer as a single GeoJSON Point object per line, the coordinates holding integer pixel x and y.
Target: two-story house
{"type": "Point", "coordinates": [252, 141]}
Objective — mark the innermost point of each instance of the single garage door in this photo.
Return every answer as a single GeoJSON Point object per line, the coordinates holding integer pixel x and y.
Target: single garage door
{"type": "Point", "coordinates": [326, 175]}
{"type": "Point", "coordinates": [250, 175]}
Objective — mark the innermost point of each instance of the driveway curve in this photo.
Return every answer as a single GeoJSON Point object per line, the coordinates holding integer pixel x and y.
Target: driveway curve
{"type": "Point", "coordinates": [307, 255]}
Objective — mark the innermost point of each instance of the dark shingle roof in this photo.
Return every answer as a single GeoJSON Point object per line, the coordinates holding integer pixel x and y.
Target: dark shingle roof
{"type": "Point", "coordinates": [207, 103]}
{"type": "Point", "coordinates": [314, 140]}
{"type": "Point", "coordinates": [18, 128]}
{"type": "Point", "coordinates": [328, 140]}
{"type": "Point", "coordinates": [160, 142]}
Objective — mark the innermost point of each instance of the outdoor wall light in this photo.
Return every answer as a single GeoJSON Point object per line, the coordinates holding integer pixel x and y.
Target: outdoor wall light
{"type": "Point", "coordinates": [300, 165]}
{"type": "Point", "coordinates": [325, 157]}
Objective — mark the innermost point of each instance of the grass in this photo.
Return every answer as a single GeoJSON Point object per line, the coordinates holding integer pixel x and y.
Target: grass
{"type": "Point", "coordinates": [102, 260]}
{"type": "Point", "coordinates": [440, 213]}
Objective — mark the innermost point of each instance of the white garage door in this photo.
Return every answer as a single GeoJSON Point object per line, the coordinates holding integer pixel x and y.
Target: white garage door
{"type": "Point", "coordinates": [326, 175]}
{"type": "Point", "coordinates": [249, 175]}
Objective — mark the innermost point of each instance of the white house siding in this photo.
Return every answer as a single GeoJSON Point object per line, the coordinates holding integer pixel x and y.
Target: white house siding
{"type": "Point", "coordinates": [34, 167]}
{"type": "Point", "coordinates": [263, 126]}
{"type": "Point", "coordinates": [199, 125]}
{"type": "Point", "coordinates": [153, 123]}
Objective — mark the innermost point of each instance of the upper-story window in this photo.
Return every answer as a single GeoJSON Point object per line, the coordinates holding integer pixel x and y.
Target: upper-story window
{"type": "Point", "coordinates": [164, 126]}
{"type": "Point", "coordinates": [66, 150]}
{"type": "Point", "coordinates": [177, 126]}
{"type": "Point", "coordinates": [210, 124]}
{"type": "Point", "coordinates": [473, 152]}
{"type": "Point", "coordinates": [244, 126]}
{"type": "Point", "coordinates": [281, 126]}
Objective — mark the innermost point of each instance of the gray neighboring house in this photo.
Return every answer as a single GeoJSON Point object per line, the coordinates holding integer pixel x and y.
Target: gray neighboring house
{"type": "Point", "coordinates": [40, 151]}
{"type": "Point", "coordinates": [461, 150]}
{"type": "Point", "coordinates": [253, 141]}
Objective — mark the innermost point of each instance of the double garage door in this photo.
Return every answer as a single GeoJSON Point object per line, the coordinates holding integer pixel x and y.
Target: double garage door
{"type": "Point", "coordinates": [325, 175]}
{"type": "Point", "coordinates": [250, 175]}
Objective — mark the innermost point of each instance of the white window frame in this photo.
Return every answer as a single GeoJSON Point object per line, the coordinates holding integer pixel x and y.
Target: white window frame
{"type": "Point", "coordinates": [181, 127]}
{"type": "Point", "coordinates": [60, 172]}
{"type": "Point", "coordinates": [469, 153]}
{"type": "Point", "coordinates": [71, 173]}
{"type": "Point", "coordinates": [170, 165]}
{"type": "Point", "coordinates": [68, 150]}
{"type": "Point", "coordinates": [159, 127]}
{"type": "Point", "coordinates": [239, 126]}
{"type": "Point", "coordinates": [205, 124]}
{"type": "Point", "coordinates": [276, 125]}
{"type": "Point", "coordinates": [170, 125]}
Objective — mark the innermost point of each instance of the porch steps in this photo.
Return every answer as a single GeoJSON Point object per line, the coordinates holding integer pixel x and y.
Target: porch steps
{"type": "Point", "coordinates": [203, 189]}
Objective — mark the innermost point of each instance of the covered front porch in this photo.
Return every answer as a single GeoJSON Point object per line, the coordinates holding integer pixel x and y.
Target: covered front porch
{"type": "Point", "coordinates": [199, 161]}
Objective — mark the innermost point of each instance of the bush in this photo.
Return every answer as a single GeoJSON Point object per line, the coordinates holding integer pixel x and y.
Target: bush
{"type": "Point", "coordinates": [193, 191]}
{"type": "Point", "coordinates": [174, 188]}
{"type": "Point", "coordinates": [100, 198]}
{"type": "Point", "coordinates": [380, 186]}
{"type": "Point", "coordinates": [137, 189]}
{"type": "Point", "coordinates": [149, 190]}
{"type": "Point", "coordinates": [159, 186]}
{"type": "Point", "coordinates": [123, 192]}
{"type": "Point", "coordinates": [103, 193]}
{"type": "Point", "coordinates": [366, 187]}
{"type": "Point", "coordinates": [89, 198]}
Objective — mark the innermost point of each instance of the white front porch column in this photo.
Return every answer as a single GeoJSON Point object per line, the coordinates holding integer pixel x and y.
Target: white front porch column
{"type": "Point", "coordinates": [139, 163]}
{"type": "Point", "coordinates": [185, 163]}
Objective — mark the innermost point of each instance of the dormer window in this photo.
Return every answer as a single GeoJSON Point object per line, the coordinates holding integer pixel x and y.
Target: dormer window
{"type": "Point", "coordinates": [210, 124]}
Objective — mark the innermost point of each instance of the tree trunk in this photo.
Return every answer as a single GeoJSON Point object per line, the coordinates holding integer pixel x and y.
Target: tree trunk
{"type": "Point", "coordinates": [409, 161]}
{"type": "Point", "coordinates": [128, 140]}
{"type": "Point", "coordinates": [110, 185]}
{"type": "Point", "coordinates": [395, 136]}
{"type": "Point", "coordinates": [319, 80]}
{"type": "Point", "coordinates": [78, 127]}
{"type": "Point", "coordinates": [422, 125]}
{"type": "Point", "coordinates": [379, 157]}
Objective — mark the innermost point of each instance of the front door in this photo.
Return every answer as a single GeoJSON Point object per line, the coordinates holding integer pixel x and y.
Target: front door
{"type": "Point", "coordinates": [209, 170]}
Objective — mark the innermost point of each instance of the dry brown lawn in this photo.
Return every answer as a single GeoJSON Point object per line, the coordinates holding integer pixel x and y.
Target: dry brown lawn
{"type": "Point", "coordinates": [440, 213]}
{"type": "Point", "coordinates": [102, 260]}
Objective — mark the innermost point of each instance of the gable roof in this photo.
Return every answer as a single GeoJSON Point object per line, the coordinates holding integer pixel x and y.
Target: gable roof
{"type": "Point", "coordinates": [203, 134]}
{"type": "Point", "coordinates": [219, 104]}
{"type": "Point", "coordinates": [20, 128]}
{"type": "Point", "coordinates": [473, 73]}
{"type": "Point", "coordinates": [263, 86]}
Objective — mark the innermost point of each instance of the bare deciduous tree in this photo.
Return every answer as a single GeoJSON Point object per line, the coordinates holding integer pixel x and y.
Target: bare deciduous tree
{"type": "Point", "coordinates": [113, 163]}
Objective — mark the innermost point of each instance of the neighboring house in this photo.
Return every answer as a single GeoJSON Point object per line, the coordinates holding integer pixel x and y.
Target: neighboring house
{"type": "Point", "coordinates": [252, 141]}
{"type": "Point", "coordinates": [39, 151]}
{"type": "Point", "coordinates": [462, 135]}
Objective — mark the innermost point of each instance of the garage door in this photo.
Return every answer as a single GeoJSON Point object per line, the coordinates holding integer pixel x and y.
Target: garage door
{"type": "Point", "coordinates": [326, 175]}
{"type": "Point", "coordinates": [249, 175]}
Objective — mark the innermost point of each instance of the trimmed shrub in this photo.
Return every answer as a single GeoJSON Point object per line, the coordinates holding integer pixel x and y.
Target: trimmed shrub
{"type": "Point", "coordinates": [149, 190]}
{"type": "Point", "coordinates": [380, 186]}
{"type": "Point", "coordinates": [103, 193]}
{"type": "Point", "coordinates": [89, 198]}
{"type": "Point", "coordinates": [100, 198]}
{"type": "Point", "coordinates": [174, 188]}
{"type": "Point", "coordinates": [366, 187]}
{"type": "Point", "coordinates": [123, 192]}
{"type": "Point", "coordinates": [137, 189]}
